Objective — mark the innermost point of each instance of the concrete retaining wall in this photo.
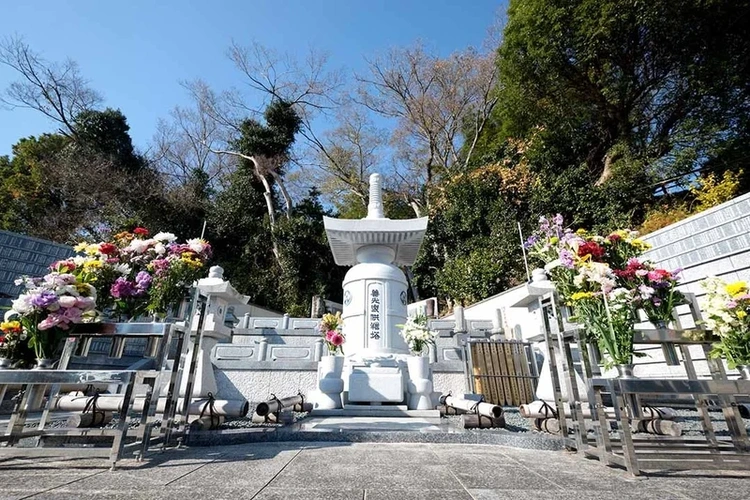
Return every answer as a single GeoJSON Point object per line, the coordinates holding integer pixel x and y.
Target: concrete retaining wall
{"type": "Point", "coordinates": [280, 356]}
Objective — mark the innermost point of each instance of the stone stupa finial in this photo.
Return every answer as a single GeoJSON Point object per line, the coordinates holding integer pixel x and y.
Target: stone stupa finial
{"type": "Point", "coordinates": [375, 206]}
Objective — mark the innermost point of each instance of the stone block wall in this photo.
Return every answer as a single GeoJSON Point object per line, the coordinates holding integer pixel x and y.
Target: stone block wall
{"type": "Point", "coordinates": [280, 356]}
{"type": "Point", "coordinates": [712, 243]}
{"type": "Point", "coordinates": [23, 255]}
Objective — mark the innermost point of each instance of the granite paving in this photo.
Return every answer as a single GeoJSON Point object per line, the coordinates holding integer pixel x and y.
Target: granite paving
{"type": "Point", "coordinates": [338, 470]}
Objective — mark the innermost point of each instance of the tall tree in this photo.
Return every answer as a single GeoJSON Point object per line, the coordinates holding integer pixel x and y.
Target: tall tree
{"type": "Point", "coordinates": [664, 82]}
{"type": "Point", "coordinates": [441, 106]}
{"type": "Point", "coordinates": [57, 90]}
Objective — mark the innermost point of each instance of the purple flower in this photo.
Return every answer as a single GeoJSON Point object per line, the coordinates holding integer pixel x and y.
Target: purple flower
{"type": "Point", "coordinates": [122, 289]}
{"type": "Point", "coordinates": [44, 299]}
{"type": "Point", "coordinates": [531, 241]}
{"type": "Point", "coordinates": [544, 224]}
{"type": "Point", "coordinates": [142, 282]}
{"type": "Point", "coordinates": [656, 301]}
{"type": "Point", "coordinates": [566, 259]}
{"type": "Point", "coordinates": [730, 304]}
{"type": "Point", "coordinates": [558, 220]}
{"type": "Point", "coordinates": [72, 314]}
{"type": "Point", "coordinates": [159, 266]}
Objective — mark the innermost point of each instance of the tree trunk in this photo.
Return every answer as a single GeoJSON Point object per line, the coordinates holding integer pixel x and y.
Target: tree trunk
{"type": "Point", "coordinates": [416, 207]}
{"type": "Point", "coordinates": [271, 216]}
{"type": "Point", "coordinates": [284, 192]}
{"type": "Point", "coordinates": [609, 159]}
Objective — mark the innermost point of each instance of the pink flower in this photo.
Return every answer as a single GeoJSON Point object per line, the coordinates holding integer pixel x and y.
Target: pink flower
{"type": "Point", "coordinates": [72, 315]}
{"type": "Point", "coordinates": [50, 321]}
{"type": "Point", "coordinates": [85, 303]}
{"type": "Point", "coordinates": [67, 301]}
{"type": "Point", "coordinates": [329, 335]}
{"type": "Point", "coordinates": [659, 274]}
{"type": "Point", "coordinates": [337, 339]}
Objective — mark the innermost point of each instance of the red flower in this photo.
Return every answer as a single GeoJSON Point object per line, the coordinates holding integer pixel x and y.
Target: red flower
{"type": "Point", "coordinates": [108, 248]}
{"type": "Point", "coordinates": [63, 266]}
{"type": "Point", "coordinates": [614, 237]}
{"type": "Point", "coordinates": [140, 231]}
{"type": "Point", "coordinates": [591, 248]}
{"type": "Point", "coordinates": [659, 275]}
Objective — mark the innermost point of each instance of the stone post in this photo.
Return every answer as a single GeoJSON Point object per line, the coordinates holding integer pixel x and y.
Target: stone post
{"type": "Point", "coordinates": [219, 295]}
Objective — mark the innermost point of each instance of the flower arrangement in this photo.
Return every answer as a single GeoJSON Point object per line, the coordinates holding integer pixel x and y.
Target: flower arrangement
{"type": "Point", "coordinates": [603, 280]}
{"type": "Point", "coordinates": [656, 289]}
{"type": "Point", "coordinates": [51, 305]}
{"type": "Point", "coordinates": [11, 339]}
{"type": "Point", "coordinates": [136, 275]}
{"type": "Point", "coordinates": [417, 335]}
{"type": "Point", "coordinates": [727, 306]}
{"type": "Point", "coordinates": [330, 328]}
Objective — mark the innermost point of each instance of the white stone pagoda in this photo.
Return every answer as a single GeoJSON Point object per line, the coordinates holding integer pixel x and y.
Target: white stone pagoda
{"type": "Point", "coordinates": [375, 296]}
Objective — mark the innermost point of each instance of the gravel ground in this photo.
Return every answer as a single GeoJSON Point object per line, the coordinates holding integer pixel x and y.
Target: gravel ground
{"type": "Point", "coordinates": [689, 421]}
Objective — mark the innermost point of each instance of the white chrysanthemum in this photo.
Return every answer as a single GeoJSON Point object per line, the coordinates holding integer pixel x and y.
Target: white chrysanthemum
{"type": "Point", "coordinates": [165, 237]}
{"type": "Point", "coordinates": [197, 245]}
{"type": "Point", "coordinates": [123, 269]}
{"type": "Point", "coordinates": [138, 246]}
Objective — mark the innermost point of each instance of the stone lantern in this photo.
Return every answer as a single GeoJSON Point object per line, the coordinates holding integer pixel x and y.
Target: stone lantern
{"type": "Point", "coordinates": [220, 295]}
{"type": "Point", "coordinates": [375, 296]}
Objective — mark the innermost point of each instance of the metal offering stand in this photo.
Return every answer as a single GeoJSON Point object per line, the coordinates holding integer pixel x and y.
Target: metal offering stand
{"type": "Point", "coordinates": [143, 390]}
{"type": "Point", "coordinates": [638, 444]}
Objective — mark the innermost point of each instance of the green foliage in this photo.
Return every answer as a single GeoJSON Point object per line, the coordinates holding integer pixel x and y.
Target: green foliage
{"type": "Point", "coordinates": [472, 247]}
{"type": "Point", "coordinates": [664, 215]}
{"type": "Point", "coordinates": [713, 191]}
{"type": "Point", "coordinates": [709, 192]}
{"type": "Point", "coordinates": [105, 133]}
{"type": "Point", "coordinates": [275, 138]}
{"type": "Point", "coordinates": [307, 265]}
{"type": "Point", "coordinates": [662, 77]}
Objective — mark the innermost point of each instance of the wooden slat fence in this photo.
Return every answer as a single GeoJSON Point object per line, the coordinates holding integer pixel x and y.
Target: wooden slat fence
{"type": "Point", "coordinates": [501, 371]}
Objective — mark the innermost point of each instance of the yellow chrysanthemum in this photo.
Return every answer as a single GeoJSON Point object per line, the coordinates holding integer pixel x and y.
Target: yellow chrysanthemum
{"type": "Point", "coordinates": [581, 296]}
{"type": "Point", "coordinates": [91, 249]}
{"type": "Point", "coordinates": [736, 288]}
{"type": "Point", "coordinates": [741, 314]}
{"type": "Point", "coordinates": [194, 263]}
{"type": "Point", "coordinates": [81, 246]}
{"type": "Point", "coordinates": [581, 232]}
{"type": "Point", "coordinates": [92, 264]}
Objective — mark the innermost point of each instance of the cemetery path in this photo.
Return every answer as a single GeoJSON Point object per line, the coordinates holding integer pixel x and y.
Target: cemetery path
{"type": "Point", "coordinates": [361, 471]}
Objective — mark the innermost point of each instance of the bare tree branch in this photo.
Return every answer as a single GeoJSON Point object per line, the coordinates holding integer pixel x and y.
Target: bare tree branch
{"type": "Point", "coordinates": [56, 90]}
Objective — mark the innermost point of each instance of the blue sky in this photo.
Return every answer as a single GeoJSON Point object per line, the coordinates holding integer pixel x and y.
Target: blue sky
{"type": "Point", "coordinates": [137, 52]}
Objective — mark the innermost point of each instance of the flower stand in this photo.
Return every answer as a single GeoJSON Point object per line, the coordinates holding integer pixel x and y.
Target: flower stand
{"type": "Point", "coordinates": [330, 382]}
{"type": "Point", "coordinates": [419, 386]}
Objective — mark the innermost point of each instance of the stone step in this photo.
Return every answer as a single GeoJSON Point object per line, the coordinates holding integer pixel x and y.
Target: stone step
{"type": "Point", "coordinates": [377, 411]}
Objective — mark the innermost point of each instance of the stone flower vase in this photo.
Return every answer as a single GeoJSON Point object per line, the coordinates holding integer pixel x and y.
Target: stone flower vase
{"type": "Point", "coordinates": [5, 363]}
{"type": "Point", "coordinates": [744, 371]}
{"type": "Point", "coordinates": [419, 386]}
{"type": "Point", "coordinates": [330, 382]}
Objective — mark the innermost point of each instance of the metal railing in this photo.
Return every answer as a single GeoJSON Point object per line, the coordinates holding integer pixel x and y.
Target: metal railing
{"type": "Point", "coordinates": [630, 449]}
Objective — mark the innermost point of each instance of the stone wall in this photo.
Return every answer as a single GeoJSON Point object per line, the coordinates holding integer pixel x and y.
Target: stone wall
{"type": "Point", "coordinates": [23, 255]}
{"type": "Point", "coordinates": [712, 243]}
{"type": "Point", "coordinates": [280, 356]}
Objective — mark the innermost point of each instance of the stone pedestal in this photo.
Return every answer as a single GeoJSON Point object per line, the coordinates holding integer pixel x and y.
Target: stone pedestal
{"type": "Point", "coordinates": [376, 384]}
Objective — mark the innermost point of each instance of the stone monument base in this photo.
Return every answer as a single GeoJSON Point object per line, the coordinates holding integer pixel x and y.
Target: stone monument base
{"type": "Point", "coordinates": [376, 384]}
